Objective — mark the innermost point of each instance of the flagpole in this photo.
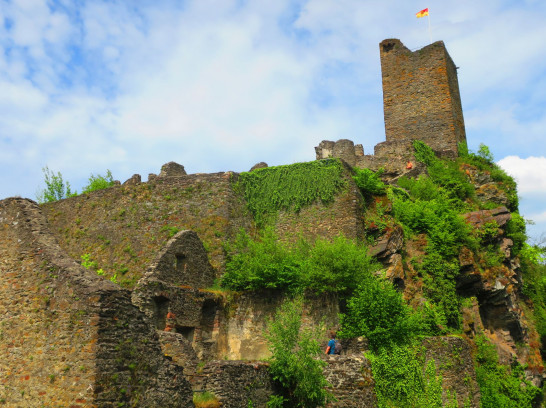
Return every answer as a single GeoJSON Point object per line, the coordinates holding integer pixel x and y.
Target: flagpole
{"type": "Point", "coordinates": [429, 32]}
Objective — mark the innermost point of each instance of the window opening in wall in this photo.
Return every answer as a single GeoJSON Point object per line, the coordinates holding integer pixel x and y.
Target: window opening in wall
{"type": "Point", "coordinates": [161, 308]}
{"type": "Point", "coordinates": [185, 331]}
{"type": "Point", "coordinates": [181, 262]}
{"type": "Point", "coordinates": [208, 314]}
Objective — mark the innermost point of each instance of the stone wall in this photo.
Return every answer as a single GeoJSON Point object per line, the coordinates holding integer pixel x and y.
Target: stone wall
{"type": "Point", "coordinates": [123, 227]}
{"type": "Point", "coordinates": [421, 96]}
{"type": "Point", "coordinates": [68, 337]}
{"type": "Point", "coordinates": [342, 216]}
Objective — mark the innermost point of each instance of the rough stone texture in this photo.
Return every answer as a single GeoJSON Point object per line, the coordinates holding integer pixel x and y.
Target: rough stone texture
{"type": "Point", "coordinates": [260, 165]}
{"type": "Point", "coordinates": [172, 169]}
{"type": "Point", "coordinates": [343, 216]}
{"type": "Point", "coordinates": [183, 261]}
{"type": "Point", "coordinates": [421, 95]}
{"type": "Point", "coordinates": [500, 215]}
{"type": "Point", "coordinates": [453, 358]}
{"type": "Point", "coordinates": [68, 337]}
{"type": "Point", "coordinates": [133, 181]}
{"type": "Point", "coordinates": [123, 228]}
{"type": "Point", "coordinates": [237, 384]}
{"type": "Point", "coordinates": [343, 149]}
{"type": "Point", "coordinates": [249, 313]}
{"type": "Point", "coordinates": [352, 381]}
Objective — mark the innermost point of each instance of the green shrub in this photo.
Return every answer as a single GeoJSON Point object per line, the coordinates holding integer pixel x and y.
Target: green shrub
{"type": "Point", "coordinates": [99, 182]}
{"type": "Point", "coordinates": [336, 266]}
{"type": "Point", "coordinates": [56, 188]}
{"type": "Point", "coordinates": [444, 173]}
{"type": "Point", "coordinates": [422, 188]}
{"type": "Point", "coordinates": [378, 312]}
{"type": "Point", "coordinates": [290, 187]}
{"type": "Point", "coordinates": [294, 362]}
{"type": "Point", "coordinates": [369, 182]}
{"type": "Point", "coordinates": [267, 263]}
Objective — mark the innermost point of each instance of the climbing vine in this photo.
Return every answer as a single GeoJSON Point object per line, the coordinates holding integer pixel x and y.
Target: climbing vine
{"type": "Point", "coordinates": [290, 187]}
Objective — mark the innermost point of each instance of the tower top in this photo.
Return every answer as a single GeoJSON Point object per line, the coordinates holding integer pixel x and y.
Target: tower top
{"type": "Point", "coordinates": [421, 98]}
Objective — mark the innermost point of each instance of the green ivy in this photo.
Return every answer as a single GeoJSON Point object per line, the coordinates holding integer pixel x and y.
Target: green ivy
{"type": "Point", "coordinates": [502, 386]}
{"type": "Point", "coordinates": [290, 187]}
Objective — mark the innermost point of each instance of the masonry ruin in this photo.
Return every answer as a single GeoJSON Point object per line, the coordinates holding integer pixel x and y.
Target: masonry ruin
{"type": "Point", "coordinates": [72, 338]}
{"type": "Point", "coordinates": [421, 101]}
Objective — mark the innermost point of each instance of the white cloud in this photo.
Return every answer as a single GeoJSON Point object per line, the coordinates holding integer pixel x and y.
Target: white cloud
{"type": "Point", "coordinates": [530, 173]}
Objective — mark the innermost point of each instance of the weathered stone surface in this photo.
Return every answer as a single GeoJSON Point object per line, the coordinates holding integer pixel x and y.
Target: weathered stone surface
{"type": "Point", "coordinates": [344, 149]}
{"type": "Point", "coordinates": [500, 215]}
{"type": "Point", "coordinates": [452, 356]}
{"type": "Point", "coordinates": [70, 338]}
{"type": "Point", "coordinates": [183, 261]}
{"type": "Point", "coordinates": [134, 180]}
{"type": "Point", "coordinates": [490, 192]}
{"type": "Point", "coordinates": [388, 244]}
{"type": "Point", "coordinates": [239, 384]}
{"type": "Point", "coordinates": [260, 165]}
{"type": "Point", "coordinates": [172, 169]}
{"type": "Point", "coordinates": [352, 381]}
{"type": "Point", "coordinates": [421, 97]}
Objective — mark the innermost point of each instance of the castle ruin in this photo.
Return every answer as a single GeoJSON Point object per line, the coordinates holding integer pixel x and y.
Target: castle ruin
{"type": "Point", "coordinates": [421, 101]}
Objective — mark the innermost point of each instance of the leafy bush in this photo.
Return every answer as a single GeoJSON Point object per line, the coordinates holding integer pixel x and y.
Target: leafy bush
{"type": "Point", "coordinates": [444, 173]}
{"type": "Point", "coordinates": [440, 287]}
{"type": "Point", "coordinates": [56, 188]}
{"type": "Point", "coordinates": [290, 187]}
{"type": "Point", "coordinates": [294, 362]}
{"type": "Point", "coordinates": [266, 263]}
{"type": "Point", "coordinates": [376, 310]}
{"type": "Point", "coordinates": [99, 182]}
{"type": "Point", "coordinates": [369, 182]}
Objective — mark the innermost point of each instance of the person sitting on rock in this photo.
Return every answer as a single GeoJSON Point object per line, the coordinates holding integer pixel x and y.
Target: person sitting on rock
{"type": "Point", "coordinates": [331, 344]}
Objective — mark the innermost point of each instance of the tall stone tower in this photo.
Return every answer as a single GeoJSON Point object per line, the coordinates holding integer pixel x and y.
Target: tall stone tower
{"type": "Point", "coordinates": [421, 97]}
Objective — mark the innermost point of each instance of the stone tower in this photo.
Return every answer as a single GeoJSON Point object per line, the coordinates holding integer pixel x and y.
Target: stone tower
{"type": "Point", "coordinates": [421, 97]}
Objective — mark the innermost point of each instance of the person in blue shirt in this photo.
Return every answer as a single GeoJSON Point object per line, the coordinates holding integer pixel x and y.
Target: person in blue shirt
{"type": "Point", "coordinates": [331, 344]}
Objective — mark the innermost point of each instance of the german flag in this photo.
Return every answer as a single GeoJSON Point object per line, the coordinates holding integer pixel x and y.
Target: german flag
{"type": "Point", "coordinates": [422, 13]}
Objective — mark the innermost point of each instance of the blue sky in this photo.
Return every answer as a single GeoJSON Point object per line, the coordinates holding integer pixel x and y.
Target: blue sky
{"type": "Point", "coordinates": [220, 85]}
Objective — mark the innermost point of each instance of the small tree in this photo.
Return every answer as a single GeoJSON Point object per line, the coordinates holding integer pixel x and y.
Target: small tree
{"type": "Point", "coordinates": [294, 363]}
{"type": "Point", "coordinates": [99, 182]}
{"type": "Point", "coordinates": [56, 189]}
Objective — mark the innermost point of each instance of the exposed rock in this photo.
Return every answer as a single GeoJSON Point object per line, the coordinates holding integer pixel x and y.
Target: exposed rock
{"type": "Point", "coordinates": [388, 244]}
{"type": "Point", "coordinates": [172, 169]}
{"type": "Point", "coordinates": [260, 165]}
{"type": "Point", "coordinates": [490, 192]}
{"type": "Point", "coordinates": [500, 215]}
{"type": "Point", "coordinates": [134, 180]}
{"type": "Point", "coordinates": [151, 177]}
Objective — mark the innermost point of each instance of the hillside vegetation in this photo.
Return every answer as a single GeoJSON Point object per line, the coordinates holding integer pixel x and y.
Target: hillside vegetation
{"type": "Point", "coordinates": [433, 211]}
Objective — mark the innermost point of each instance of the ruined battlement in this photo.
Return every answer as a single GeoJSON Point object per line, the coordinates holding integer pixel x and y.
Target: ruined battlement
{"type": "Point", "coordinates": [421, 101]}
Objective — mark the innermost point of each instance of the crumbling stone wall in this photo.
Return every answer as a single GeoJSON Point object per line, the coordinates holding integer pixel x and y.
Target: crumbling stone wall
{"type": "Point", "coordinates": [421, 97]}
{"type": "Point", "coordinates": [342, 216]}
{"type": "Point", "coordinates": [68, 337]}
{"type": "Point", "coordinates": [239, 384]}
{"type": "Point", "coordinates": [123, 227]}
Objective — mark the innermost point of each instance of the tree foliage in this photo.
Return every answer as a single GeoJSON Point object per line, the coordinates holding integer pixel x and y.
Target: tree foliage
{"type": "Point", "coordinates": [294, 362]}
{"type": "Point", "coordinates": [99, 182]}
{"type": "Point", "coordinates": [56, 188]}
